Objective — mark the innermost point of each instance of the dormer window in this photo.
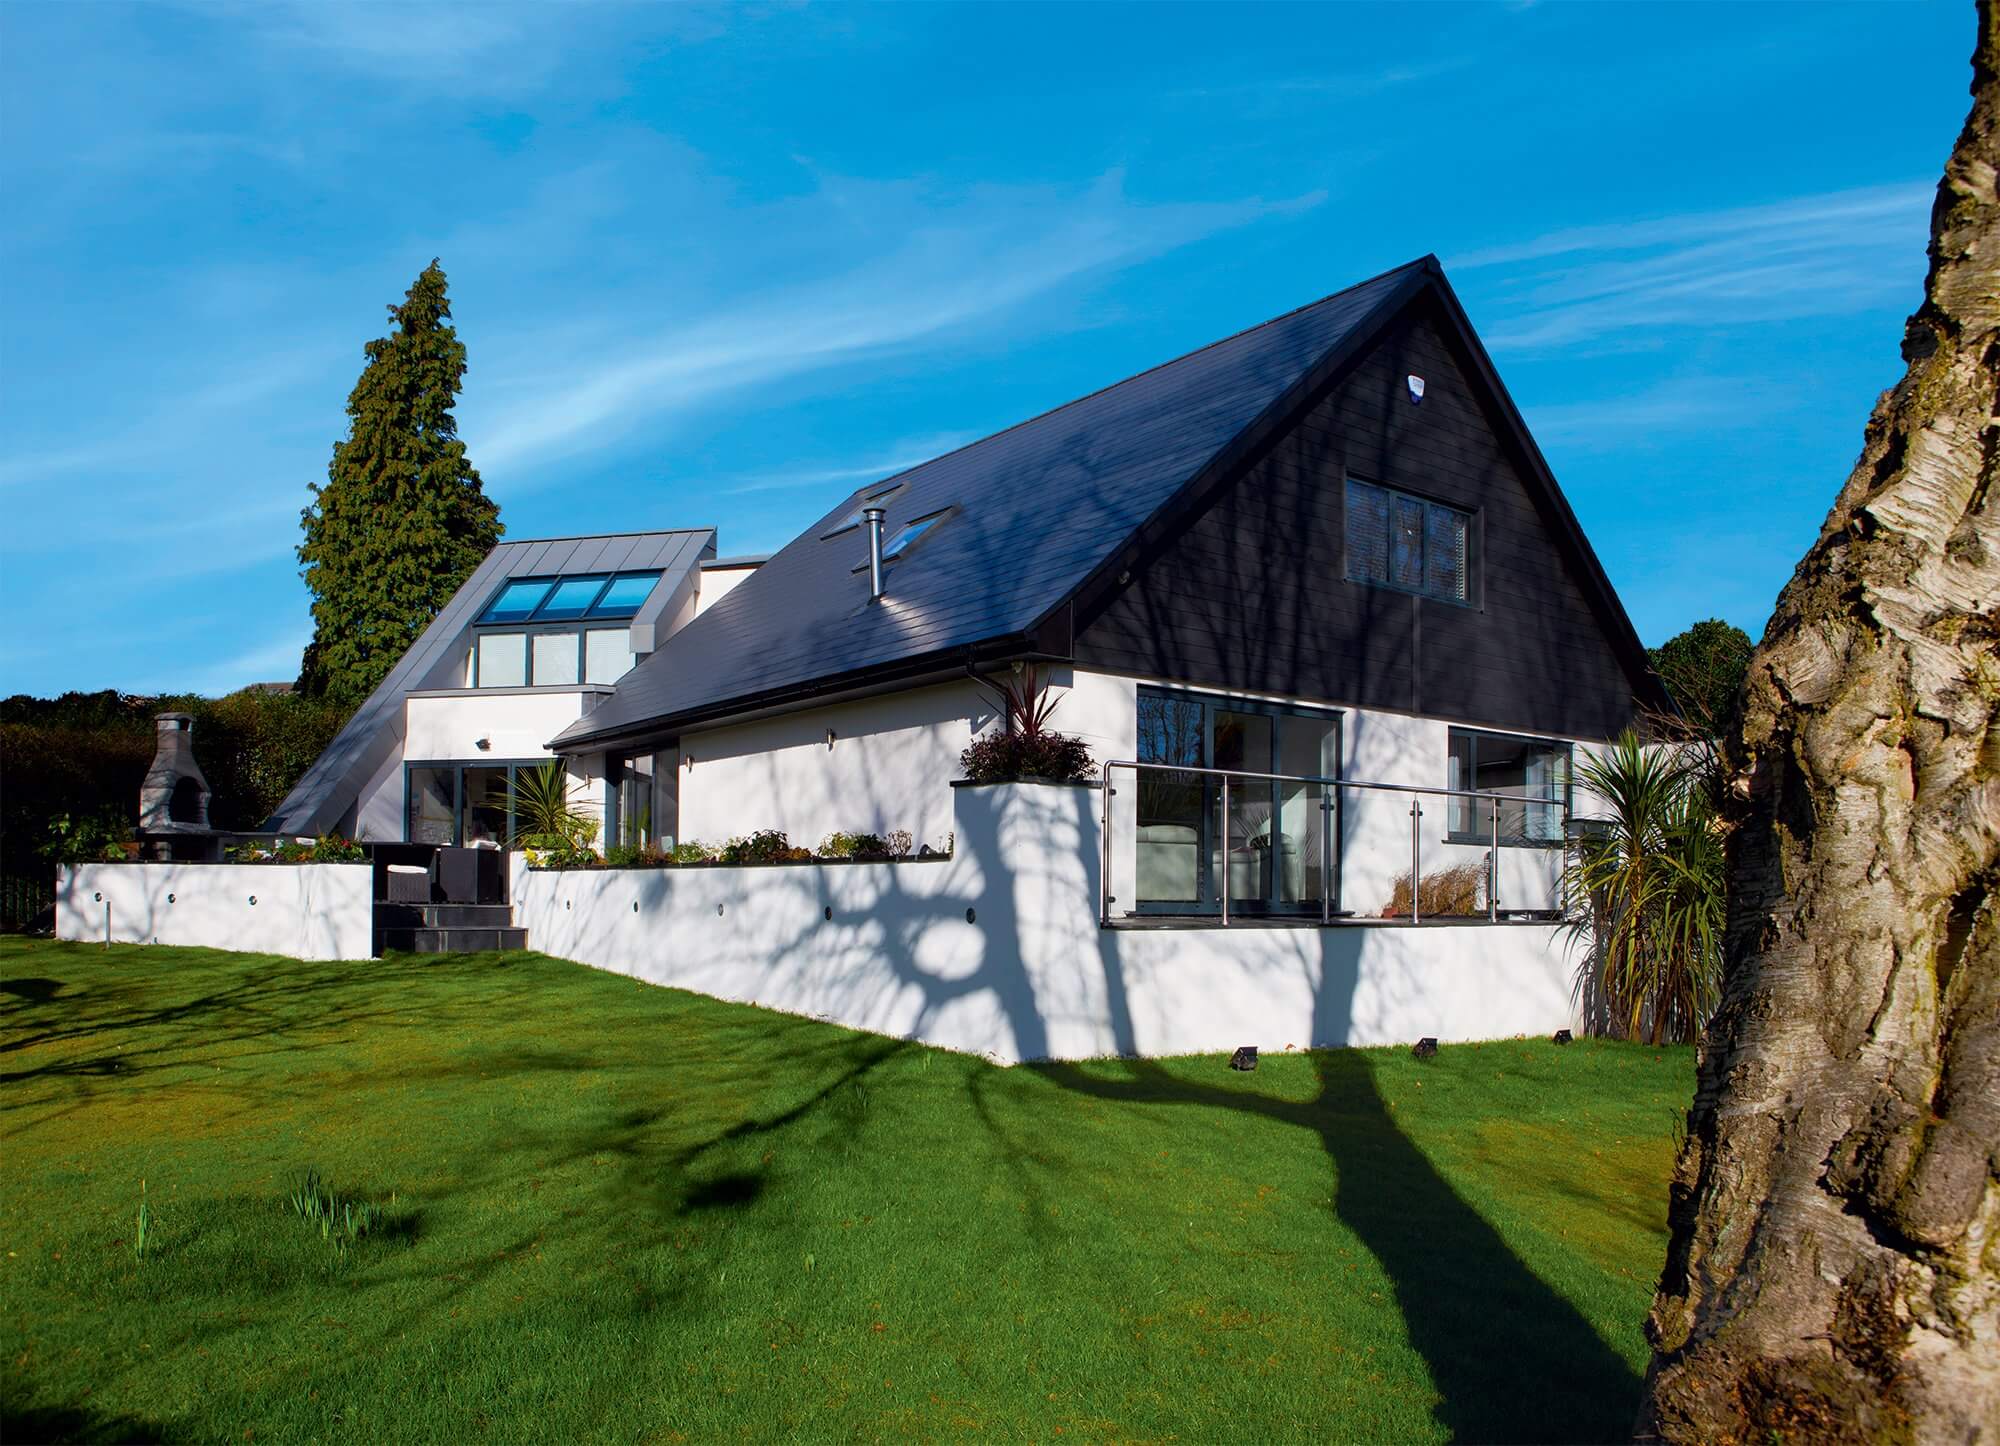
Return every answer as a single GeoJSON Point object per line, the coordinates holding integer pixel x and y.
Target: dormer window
{"type": "Point", "coordinates": [544, 632]}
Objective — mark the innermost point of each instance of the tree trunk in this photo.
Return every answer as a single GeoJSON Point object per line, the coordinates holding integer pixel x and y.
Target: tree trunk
{"type": "Point", "coordinates": [1834, 1271]}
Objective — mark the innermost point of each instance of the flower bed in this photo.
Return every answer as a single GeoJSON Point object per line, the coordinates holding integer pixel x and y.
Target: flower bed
{"type": "Point", "coordinates": [766, 846]}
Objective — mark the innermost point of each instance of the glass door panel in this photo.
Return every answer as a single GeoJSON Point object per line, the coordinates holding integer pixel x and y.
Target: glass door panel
{"type": "Point", "coordinates": [1308, 744]}
{"type": "Point", "coordinates": [489, 807]}
{"type": "Point", "coordinates": [433, 805]}
{"type": "Point", "coordinates": [1243, 839]}
{"type": "Point", "coordinates": [1170, 813]}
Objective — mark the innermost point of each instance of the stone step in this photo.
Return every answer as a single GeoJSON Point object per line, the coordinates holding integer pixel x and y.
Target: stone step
{"type": "Point", "coordinates": [443, 916]}
{"type": "Point", "coordinates": [448, 941]}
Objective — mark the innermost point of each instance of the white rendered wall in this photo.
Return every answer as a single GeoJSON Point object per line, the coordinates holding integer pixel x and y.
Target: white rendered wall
{"type": "Point", "coordinates": [307, 911]}
{"type": "Point", "coordinates": [1028, 973]}
{"type": "Point", "coordinates": [516, 724]}
{"type": "Point", "coordinates": [890, 767]}
{"type": "Point", "coordinates": [717, 583]}
{"type": "Point", "coordinates": [378, 808]}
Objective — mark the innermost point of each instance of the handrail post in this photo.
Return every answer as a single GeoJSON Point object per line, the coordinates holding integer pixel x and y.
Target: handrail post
{"type": "Point", "coordinates": [1493, 883]}
{"type": "Point", "coordinates": [1325, 854]}
{"type": "Point", "coordinates": [1225, 851]}
{"type": "Point", "coordinates": [1416, 856]}
{"type": "Point", "coordinates": [1104, 874]}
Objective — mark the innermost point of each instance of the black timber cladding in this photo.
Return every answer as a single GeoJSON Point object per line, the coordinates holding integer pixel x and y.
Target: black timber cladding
{"type": "Point", "coordinates": [323, 795]}
{"type": "Point", "coordinates": [1040, 506]}
{"type": "Point", "coordinates": [1251, 593]}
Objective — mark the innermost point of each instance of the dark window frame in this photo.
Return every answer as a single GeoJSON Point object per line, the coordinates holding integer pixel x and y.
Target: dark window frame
{"type": "Point", "coordinates": [1211, 703]}
{"type": "Point", "coordinates": [575, 626]}
{"type": "Point", "coordinates": [1483, 834]}
{"type": "Point", "coordinates": [458, 766]}
{"type": "Point", "coordinates": [614, 794]}
{"type": "Point", "coordinates": [1475, 533]}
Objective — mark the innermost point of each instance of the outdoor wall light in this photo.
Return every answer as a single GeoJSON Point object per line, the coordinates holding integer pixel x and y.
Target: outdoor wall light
{"type": "Point", "coordinates": [253, 901]}
{"type": "Point", "coordinates": [972, 916]}
{"type": "Point", "coordinates": [1123, 578]}
{"type": "Point", "coordinates": [830, 736]}
{"type": "Point", "coordinates": [170, 898]}
{"type": "Point", "coordinates": [689, 765]}
{"type": "Point", "coordinates": [1416, 386]}
{"type": "Point", "coordinates": [1427, 1048]}
{"type": "Point", "coordinates": [482, 744]}
{"type": "Point", "coordinates": [1245, 1058]}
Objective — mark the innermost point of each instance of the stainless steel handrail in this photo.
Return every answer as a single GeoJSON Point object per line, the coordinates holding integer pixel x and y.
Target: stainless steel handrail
{"type": "Point", "coordinates": [1331, 788]}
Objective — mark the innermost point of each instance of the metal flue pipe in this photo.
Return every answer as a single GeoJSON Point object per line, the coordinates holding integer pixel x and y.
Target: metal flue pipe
{"type": "Point", "coordinates": [872, 518]}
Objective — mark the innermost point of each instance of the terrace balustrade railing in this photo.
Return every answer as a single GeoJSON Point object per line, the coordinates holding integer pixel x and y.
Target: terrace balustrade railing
{"type": "Point", "coordinates": [1332, 804]}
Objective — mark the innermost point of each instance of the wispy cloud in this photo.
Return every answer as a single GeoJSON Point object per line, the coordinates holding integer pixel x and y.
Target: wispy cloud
{"type": "Point", "coordinates": [970, 264]}
{"type": "Point", "coordinates": [899, 459]}
{"type": "Point", "coordinates": [1832, 254]}
{"type": "Point", "coordinates": [1673, 407]}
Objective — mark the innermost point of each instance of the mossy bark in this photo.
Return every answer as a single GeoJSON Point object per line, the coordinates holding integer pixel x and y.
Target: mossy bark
{"type": "Point", "coordinates": [1834, 1270]}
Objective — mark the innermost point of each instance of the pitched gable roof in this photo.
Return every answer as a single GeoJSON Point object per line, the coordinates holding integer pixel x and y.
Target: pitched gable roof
{"type": "Point", "coordinates": [1036, 510]}
{"type": "Point", "coordinates": [437, 659]}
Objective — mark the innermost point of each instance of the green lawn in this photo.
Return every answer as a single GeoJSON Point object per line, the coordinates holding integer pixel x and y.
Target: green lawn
{"type": "Point", "coordinates": [626, 1213]}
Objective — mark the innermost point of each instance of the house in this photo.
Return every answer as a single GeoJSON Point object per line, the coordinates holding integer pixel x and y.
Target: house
{"type": "Point", "coordinates": [1310, 594]}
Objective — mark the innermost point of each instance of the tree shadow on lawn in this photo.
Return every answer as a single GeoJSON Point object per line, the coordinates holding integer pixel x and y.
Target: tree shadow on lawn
{"type": "Point", "coordinates": [1511, 1359]}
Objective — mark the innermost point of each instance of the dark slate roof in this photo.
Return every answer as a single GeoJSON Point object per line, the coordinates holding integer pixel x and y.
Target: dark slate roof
{"type": "Point", "coordinates": [437, 658]}
{"type": "Point", "coordinates": [1038, 508]}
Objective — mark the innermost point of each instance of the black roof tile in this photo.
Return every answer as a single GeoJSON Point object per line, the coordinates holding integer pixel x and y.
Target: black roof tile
{"type": "Point", "coordinates": [1038, 507]}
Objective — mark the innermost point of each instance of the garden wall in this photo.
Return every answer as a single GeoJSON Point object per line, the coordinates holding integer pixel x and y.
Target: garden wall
{"type": "Point", "coordinates": [997, 950]}
{"type": "Point", "coordinates": [307, 911]}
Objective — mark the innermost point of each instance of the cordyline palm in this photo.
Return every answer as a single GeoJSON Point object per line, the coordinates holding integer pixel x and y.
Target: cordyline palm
{"type": "Point", "coordinates": [1645, 895]}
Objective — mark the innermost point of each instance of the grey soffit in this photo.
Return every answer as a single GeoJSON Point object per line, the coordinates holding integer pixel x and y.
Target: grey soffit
{"type": "Point", "coordinates": [375, 732]}
{"type": "Point", "coordinates": [1037, 509]}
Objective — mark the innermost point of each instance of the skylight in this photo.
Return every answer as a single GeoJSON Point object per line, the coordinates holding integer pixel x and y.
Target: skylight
{"type": "Point", "coordinates": [561, 599]}
{"type": "Point", "coordinates": [517, 601]}
{"type": "Point", "coordinates": [624, 594]}
{"type": "Point", "coordinates": [901, 542]}
{"type": "Point", "coordinates": [871, 497]}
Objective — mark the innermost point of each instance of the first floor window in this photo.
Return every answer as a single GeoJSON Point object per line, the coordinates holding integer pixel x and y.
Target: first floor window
{"type": "Point", "coordinates": [1408, 543]}
{"type": "Point", "coordinates": [607, 655]}
{"type": "Point", "coordinates": [1532, 774]}
{"type": "Point", "coordinates": [503, 660]}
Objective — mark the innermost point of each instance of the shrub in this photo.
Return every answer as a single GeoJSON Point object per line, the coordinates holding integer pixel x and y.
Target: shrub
{"type": "Point", "coordinates": [98, 837]}
{"type": "Point", "coordinates": [766, 846]}
{"type": "Point", "coordinates": [1645, 894]}
{"type": "Point", "coordinates": [638, 856]}
{"type": "Point", "coordinates": [546, 809]}
{"type": "Point", "coordinates": [1029, 748]}
{"type": "Point", "coordinates": [1006, 757]}
{"type": "Point", "coordinates": [857, 846]}
{"type": "Point", "coordinates": [1455, 890]}
{"type": "Point", "coordinates": [693, 853]}
{"type": "Point", "coordinates": [554, 851]}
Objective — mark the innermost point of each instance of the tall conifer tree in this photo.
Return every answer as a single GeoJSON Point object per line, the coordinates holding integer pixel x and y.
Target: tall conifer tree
{"type": "Point", "coordinates": [402, 519]}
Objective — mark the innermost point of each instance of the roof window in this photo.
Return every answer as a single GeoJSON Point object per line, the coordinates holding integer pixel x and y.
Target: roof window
{"type": "Point", "coordinates": [560, 599]}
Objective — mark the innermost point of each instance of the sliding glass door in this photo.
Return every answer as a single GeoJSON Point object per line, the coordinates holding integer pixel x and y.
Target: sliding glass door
{"type": "Point", "coordinates": [1269, 846]}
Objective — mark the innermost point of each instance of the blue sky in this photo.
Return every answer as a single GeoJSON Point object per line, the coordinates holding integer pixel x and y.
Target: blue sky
{"type": "Point", "coordinates": [719, 266]}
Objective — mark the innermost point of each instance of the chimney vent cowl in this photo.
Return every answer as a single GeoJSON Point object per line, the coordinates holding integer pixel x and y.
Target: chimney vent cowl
{"type": "Point", "coordinates": [871, 517]}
